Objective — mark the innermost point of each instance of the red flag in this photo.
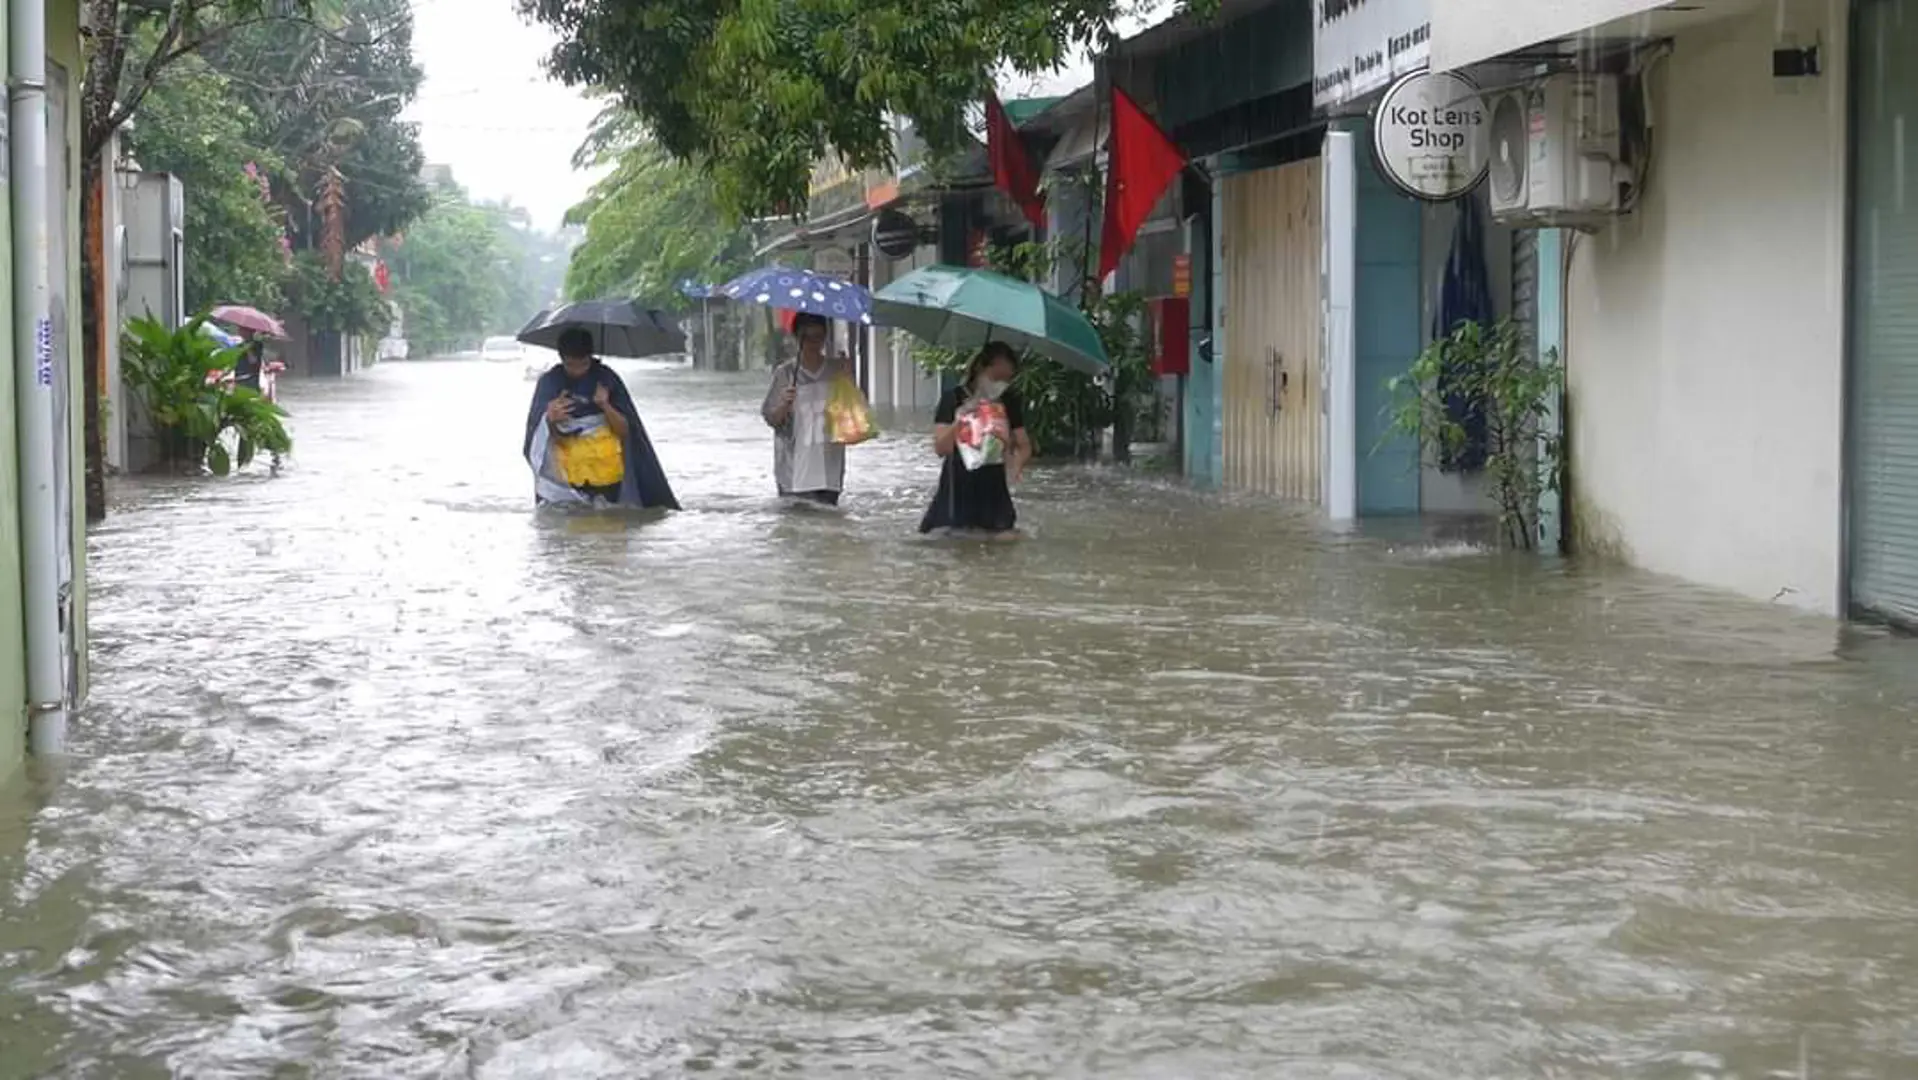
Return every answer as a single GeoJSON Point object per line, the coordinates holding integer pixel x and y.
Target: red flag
{"type": "Point", "coordinates": [1012, 166]}
{"type": "Point", "coordinates": [1142, 163]}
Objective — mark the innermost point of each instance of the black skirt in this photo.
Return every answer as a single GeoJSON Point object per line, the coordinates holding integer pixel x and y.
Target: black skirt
{"type": "Point", "coordinates": [974, 499]}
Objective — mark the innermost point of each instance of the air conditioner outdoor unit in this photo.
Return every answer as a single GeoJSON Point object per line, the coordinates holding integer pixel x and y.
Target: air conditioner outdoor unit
{"type": "Point", "coordinates": [1555, 153]}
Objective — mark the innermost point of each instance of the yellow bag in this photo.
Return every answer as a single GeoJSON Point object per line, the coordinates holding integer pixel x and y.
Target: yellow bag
{"type": "Point", "coordinates": [848, 417]}
{"type": "Point", "coordinates": [593, 458]}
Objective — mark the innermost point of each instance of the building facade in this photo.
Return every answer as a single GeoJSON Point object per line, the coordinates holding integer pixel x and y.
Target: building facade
{"type": "Point", "coordinates": [1741, 348]}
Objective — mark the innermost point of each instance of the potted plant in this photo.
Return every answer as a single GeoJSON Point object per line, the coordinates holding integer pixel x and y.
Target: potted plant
{"type": "Point", "coordinates": [1487, 375]}
{"type": "Point", "coordinates": [183, 379]}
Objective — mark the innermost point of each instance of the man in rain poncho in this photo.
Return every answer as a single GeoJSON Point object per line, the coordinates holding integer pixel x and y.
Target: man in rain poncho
{"type": "Point", "coordinates": [584, 439]}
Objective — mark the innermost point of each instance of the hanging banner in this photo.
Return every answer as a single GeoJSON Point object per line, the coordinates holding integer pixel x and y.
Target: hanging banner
{"type": "Point", "coordinates": [1360, 46]}
{"type": "Point", "coordinates": [1430, 137]}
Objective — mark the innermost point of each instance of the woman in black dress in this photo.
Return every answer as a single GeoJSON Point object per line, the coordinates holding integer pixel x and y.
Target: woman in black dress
{"type": "Point", "coordinates": [979, 500]}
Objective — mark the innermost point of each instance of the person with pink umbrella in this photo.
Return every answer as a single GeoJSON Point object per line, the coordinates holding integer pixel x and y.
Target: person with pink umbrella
{"type": "Point", "coordinates": [242, 317]}
{"type": "Point", "coordinates": [253, 326]}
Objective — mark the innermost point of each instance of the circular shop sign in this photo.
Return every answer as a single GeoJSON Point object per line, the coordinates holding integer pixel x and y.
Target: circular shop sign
{"type": "Point", "coordinates": [894, 234]}
{"type": "Point", "coordinates": [1430, 135]}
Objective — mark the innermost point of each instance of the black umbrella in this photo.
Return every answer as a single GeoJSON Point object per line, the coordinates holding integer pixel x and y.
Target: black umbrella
{"type": "Point", "coordinates": [532, 324]}
{"type": "Point", "coordinates": [618, 328]}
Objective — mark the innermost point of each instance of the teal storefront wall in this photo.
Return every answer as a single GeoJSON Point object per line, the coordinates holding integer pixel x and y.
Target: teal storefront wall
{"type": "Point", "coordinates": [1204, 390]}
{"type": "Point", "coordinates": [1386, 336]}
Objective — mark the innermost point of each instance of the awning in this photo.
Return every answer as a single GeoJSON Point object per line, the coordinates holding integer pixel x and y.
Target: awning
{"type": "Point", "coordinates": [1466, 32]}
{"type": "Point", "coordinates": [843, 225]}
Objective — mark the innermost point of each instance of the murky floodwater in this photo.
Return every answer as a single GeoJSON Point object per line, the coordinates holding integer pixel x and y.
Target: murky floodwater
{"type": "Point", "coordinates": [385, 776]}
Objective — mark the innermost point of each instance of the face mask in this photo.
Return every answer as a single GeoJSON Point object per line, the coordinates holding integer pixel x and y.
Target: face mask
{"type": "Point", "coordinates": [991, 389]}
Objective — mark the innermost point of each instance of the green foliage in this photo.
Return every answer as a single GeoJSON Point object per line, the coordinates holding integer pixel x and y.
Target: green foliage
{"type": "Point", "coordinates": [254, 423]}
{"type": "Point", "coordinates": [1517, 393]}
{"type": "Point", "coordinates": [1066, 409]}
{"type": "Point", "coordinates": [469, 270]}
{"type": "Point", "coordinates": [328, 93]}
{"type": "Point", "coordinates": [650, 224]}
{"type": "Point", "coordinates": [192, 126]}
{"type": "Point", "coordinates": [757, 91]}
{"type": "Point", "coordinates": [351, 306]}
{"type": "Point", "coordinates": [176, 376]}
{"type": "Point", "coordinates": [133, 44]}
{"type": "Point", "coordinates": [255, 118]}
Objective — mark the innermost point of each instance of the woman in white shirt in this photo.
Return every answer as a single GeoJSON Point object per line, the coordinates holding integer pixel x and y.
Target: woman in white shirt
{"type": "Point", "coordinates": [806, 463]}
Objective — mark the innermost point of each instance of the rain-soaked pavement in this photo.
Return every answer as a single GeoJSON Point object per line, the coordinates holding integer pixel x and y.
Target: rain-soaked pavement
{"type": "Point", "coordinates": [385, 776]}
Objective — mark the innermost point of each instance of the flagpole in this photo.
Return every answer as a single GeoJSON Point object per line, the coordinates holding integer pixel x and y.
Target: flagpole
{"type": "Point", "coordinates": [1089, 285]}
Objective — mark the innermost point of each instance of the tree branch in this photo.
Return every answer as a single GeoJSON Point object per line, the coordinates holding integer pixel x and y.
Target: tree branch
{"type": "Point", "coordinates": [171, 48]}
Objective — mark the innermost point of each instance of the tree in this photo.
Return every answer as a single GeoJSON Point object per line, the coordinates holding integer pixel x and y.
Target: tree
{"type": "Point", "coordinates": [191, 126]}
{"type": "Point", "coordinates": [468, 270]}
{"type": "Point", "coordinates": [650, 224]}
{"type": "Point", "coordinates": [451, 274]}
{"type": "Point", "coordinates": [757, 91]}
{"type": "Point", "coordinates": [327, 95]}
{"type": "Point", "coordinates": [133, 44]}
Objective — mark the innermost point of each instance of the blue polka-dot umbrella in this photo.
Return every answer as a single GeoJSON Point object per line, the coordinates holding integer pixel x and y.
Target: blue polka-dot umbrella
{"type": "Point", "coordinates": [787, 289]}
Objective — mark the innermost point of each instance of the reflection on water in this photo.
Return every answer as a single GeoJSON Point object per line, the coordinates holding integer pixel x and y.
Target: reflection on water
{"type": "Point", "coordinates": [386, 776]}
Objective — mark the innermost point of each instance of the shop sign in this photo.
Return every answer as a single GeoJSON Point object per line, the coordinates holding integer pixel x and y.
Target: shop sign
{"type": "Point", "coordinates": [895, 234]}
{"type": "Point", "coordinates": [1182, 275]}
{"type": "Point", "coordinates": [1360, 46]}
{"type": "Point", "coordinates": [1430, 137]}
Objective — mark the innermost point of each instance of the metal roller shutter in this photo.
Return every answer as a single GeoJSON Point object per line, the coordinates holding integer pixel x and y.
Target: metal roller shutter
{"type": "Point", "coordinates": [1883, 430]}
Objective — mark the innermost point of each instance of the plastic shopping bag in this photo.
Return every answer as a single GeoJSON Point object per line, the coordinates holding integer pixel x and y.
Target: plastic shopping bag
{"type": "Point", "coordinates": [848, 417]}
{"type": "Point", "coordinates": [983, 434]}
{"type": "Point", "coordinates": [594, 457]}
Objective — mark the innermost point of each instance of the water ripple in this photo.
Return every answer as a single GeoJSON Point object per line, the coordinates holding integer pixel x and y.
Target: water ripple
{"type": "Point", "coordinates": [385, 775]}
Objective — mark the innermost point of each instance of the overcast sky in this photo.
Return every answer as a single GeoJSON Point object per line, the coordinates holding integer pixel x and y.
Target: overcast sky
{"type": "Point", "coordinates": [488, 110]}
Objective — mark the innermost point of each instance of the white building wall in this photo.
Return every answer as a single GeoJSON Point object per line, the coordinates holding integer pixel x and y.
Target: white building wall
{"type": "Point", "coordinates": [1468, 31]}
{"type": "Point", "coordinates": [1706, 331]}
{"type": "Point", "coordinates": [913, 389]}
{"type": "Point", "coordinates": [878, 347]}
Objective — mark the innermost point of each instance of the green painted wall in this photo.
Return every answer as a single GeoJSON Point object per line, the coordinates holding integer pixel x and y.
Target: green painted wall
{"type": "Point", "coordinates": [63, 47]}
{"type": "Point", "coordinates": [1386, 336]}
{"type": "Point", "coordinates": [13, 650]}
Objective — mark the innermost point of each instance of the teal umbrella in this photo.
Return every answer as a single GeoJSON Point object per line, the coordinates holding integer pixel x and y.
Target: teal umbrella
{"type": "Point", "coordinates": [957, 308]}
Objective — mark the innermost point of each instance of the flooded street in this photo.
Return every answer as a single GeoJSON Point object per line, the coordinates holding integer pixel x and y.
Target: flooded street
{"type": "Point", "coordinates": [383, 775]}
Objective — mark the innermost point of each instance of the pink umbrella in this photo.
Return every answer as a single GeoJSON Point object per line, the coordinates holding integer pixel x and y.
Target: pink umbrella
{"type": "Point", "coordinates": [248, 318]}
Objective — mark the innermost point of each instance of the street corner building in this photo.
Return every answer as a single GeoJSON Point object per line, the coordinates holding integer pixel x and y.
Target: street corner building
{"type": "Point", "coordinates": [43, 532]}
{"type": "Point", "coordinates": [1702, 210]}
{"type": "Point", "coordinates": [1741, 335]}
